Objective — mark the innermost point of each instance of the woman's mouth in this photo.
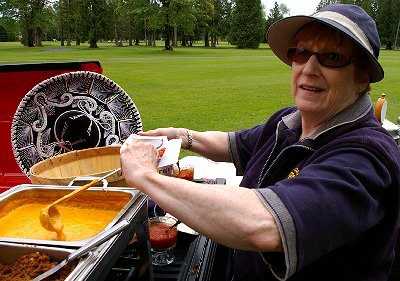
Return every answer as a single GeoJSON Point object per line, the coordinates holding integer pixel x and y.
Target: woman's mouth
{"type": "Point", "coordinates": [310, 88]}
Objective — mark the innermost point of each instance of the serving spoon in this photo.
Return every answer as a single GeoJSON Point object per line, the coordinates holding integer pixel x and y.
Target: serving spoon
{"type": "Point", "coordinates": [50, 217]}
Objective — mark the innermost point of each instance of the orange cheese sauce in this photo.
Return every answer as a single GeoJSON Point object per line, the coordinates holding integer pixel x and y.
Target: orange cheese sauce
{"type": "Point", "coordinates": [82, 219]}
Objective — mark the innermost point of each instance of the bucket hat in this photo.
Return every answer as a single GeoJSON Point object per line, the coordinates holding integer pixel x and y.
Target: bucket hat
{"type": "Point", "coordinates": [351, 20]}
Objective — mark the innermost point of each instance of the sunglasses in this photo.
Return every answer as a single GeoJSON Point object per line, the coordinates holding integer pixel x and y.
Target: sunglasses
{"type": "Point", "coordinates": [330, 59]}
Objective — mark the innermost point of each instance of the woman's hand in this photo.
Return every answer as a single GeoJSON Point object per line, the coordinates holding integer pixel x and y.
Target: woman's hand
{"type": "Point", "coordinates": [211, 144]}
{"type": "Point", "coordinates": [137, 160]}
{"type": "Point", "coordinates": [170, 133]}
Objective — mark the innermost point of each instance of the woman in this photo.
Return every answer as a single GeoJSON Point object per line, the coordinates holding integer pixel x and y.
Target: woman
{"type": "Point", "coordinates": [319, 197]}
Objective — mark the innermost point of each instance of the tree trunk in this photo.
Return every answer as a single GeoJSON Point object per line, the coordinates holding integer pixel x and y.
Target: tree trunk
{"type": "Point", "coordinates": [30, 38]}
{"type": "Point", "coordinates": [206, 40]}
{"type": "Point", "coordinates": [38, 37]}
{"type": "Point", "coordinates": [69, 40]}
{"type": "Point", "coordinates": [145, 33]}
{"type": "Point", "coordinates": [153, 38]}
{"type": "Point", "coordinates": [93, 43]}
{"type": "Point", "coordinates": [118, 41]}
{"type": "Point", "coordinates": [167, 28]}
{"type": "Point", "coordinates": [175, 36]}
{"type": "Point", "coordinates": [397, 35]}
{"type": "Point", "coordinates": [213, 40]}
{"type": "Point", "coordinates": [167, 40]}
{"type": "Point", "coordinates": [184, 41]}
{"type": "Point", "coordinates": [62, 35]}
{"type": "Point", "coordinates": [130, 37]}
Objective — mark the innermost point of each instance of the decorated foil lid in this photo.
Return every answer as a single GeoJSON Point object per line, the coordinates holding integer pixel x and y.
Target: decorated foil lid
{"type": "Point", "coordinates": [72, 111]}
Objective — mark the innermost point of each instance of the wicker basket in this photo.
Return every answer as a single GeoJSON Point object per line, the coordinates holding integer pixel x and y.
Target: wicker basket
{"type": "Point", "coordinates": [63, 168]}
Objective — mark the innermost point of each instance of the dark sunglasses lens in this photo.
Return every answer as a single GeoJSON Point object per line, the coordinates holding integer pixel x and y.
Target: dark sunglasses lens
{"type": "Point", "coordinates": [298, 54]}
{"type": "Point", "coordinates": [330, 59]}
{"type": "Point", "coordinates": [333, 59]}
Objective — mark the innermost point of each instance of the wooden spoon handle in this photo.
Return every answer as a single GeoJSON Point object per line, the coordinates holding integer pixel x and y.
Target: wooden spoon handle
{"type": "Point", "coordinates": [86, 186]}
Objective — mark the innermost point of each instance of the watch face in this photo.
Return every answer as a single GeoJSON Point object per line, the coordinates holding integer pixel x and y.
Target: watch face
{"type": "Point", "coordinates": [72, 111]}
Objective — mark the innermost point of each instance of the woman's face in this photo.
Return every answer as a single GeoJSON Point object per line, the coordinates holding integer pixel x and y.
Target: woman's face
{"type": "Point", "coordinates": [320, 92]}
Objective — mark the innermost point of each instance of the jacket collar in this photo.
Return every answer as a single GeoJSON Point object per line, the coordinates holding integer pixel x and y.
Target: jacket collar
{"type": "Point", "coordinates": [352, 113]}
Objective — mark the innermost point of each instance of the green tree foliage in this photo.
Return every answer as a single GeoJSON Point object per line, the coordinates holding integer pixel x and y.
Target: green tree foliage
{"type": "Point", "coordinates": [153, 21]}
{"type": "Point", "coordinates": [284, 9]}
{"type": "Point", "coordinates": [129, 20]}
{"type": "Point", "coordinates": [324, 3]}
{"type": "Point", "coordinates": [183, 16]}
{"type": "Point", "coordinates": [387, 21]}
{"type": "Point", "coordinates": [242, 22]}
{"type": "Point", "coordinates": [279, 11]}
{"type": "Point", "coordinates": [274, 15]}
{"type": "Point", "coordinates": [3, 34]}
{"type": "Point", "coordinates": [370, 6]}
{"type": "Point", "coordinates": [165, 16]}
{"type": "Point", "coordinates": [207, 12]}
{"type": "Point", "coordinates": [220, 21]}
{"type": "Point", "coordinates": [367, 5]}
{"type": "Point", "coordinates": [247, 24]}
{"type": "Point", "coordinates": [386, 13]}
{"type": "Point", "coordinates": [94, 20]}
{"type": "Point", "coordinates": [34, 19]}
{"type": "Point", "coordinates": [67, 16]}
{"type": "Point", "coordinates": [119, 19]}
{"type": "Point", "coordinates": [9, 28]}
{"type": "Point", "coordinates": [31, 15]}
{"type": "Point", "coordinates": [49, 24]}
{"type": "Point", "coordinates": [226, 18]}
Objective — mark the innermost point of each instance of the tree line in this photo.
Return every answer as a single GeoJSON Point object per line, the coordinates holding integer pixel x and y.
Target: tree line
{"type": "Point", "coordinates": [242, 23]}
{"type": "Point", "coordinates": [386, 14]}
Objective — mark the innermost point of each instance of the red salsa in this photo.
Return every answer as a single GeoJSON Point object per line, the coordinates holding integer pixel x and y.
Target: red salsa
{"type": "Point", "coordinates": [162, 236]}
{"type": "Point", "coordinates": [186, 173]}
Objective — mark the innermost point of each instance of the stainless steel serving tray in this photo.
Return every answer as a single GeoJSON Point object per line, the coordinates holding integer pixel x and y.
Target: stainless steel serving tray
{"type": "Point", "coordinates": [10, 252]}
{"type": "Point", "coordinates": [28, 190]}
{"type": "Point", "coordinates": [96, 265]}
{"type": "Point", "coordinates": [101, 261]}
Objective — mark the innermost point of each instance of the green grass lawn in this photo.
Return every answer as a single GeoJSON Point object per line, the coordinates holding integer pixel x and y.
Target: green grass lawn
{"type": "Point", "coordinates": [221, 88]}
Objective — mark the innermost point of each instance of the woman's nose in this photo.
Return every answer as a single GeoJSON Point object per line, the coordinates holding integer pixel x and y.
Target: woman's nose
{"type": "Point", "coordinates": [312, 66]}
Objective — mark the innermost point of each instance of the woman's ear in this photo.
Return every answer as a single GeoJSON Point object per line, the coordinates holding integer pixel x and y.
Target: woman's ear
{"type": "Point", "coordinates": [364, 79]}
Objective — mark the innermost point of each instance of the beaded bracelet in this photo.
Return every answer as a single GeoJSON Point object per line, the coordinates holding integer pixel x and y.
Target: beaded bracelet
{"type": "Point", "coordinates": [189, 139]}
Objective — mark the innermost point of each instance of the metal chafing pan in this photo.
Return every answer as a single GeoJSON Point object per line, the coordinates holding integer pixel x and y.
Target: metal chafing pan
{"type": "Point", "coordinates": [43, 191]}
{"type": "Point", "coordinates": [10, 252]}
{"type": "Point", "coordinates": [96, 265]}
{"type": "Point", "coordinates": [102, 260]}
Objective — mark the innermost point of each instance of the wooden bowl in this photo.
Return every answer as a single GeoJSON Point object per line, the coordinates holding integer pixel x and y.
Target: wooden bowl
{"type": "Point", "coordinates": [63, 168]}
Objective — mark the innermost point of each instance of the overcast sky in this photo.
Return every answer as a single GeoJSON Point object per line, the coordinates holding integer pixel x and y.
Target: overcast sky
{"type": "Point", "coordinates": [296, 7]}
